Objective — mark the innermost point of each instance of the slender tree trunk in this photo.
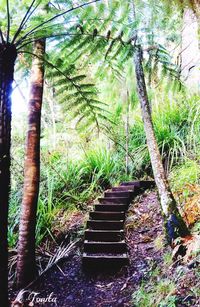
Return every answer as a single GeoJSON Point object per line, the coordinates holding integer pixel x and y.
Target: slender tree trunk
{"type": "Point", "coordinates": [7, 60]}
{"type": "Point", "coordinates": [26, 266]}
{"type": "Point", "coordinates": [173, 222]}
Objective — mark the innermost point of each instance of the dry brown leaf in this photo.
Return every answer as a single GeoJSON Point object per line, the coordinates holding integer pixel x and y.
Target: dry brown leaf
{"type": "Point", "coordinates": [190, 245]}
{"type": "Point", "coordinates": [190, 203]}
{"type": "Point", "coordinates": [145, 239]}
{"type": "Point", "coordinates": [193, 248]}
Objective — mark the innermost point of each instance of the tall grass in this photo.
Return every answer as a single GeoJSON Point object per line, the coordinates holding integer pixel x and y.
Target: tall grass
{"type": "Point", "coordinates": [65, 185]}
{"type": "Point", "coordinates": [98, 166]}
{"type": "Point", "coordinates": [177, 128]}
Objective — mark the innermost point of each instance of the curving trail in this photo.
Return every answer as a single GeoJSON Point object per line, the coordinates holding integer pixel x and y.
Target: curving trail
{"type": "Point", "coordinates": [104, 246]}
{"type": "Point", "coordinates": [73, 288]}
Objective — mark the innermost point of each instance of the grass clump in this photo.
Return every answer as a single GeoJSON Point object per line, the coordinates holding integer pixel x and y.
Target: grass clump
{"type": "Point", "coordinates": [185, 173]}
{"type": "Point", "coordinates": [159, 294]}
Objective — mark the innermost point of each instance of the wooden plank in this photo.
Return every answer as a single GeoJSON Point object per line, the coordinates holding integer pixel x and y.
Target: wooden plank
{"type": "Point", "coordinates": [114, 200]}
{"type": "Point", "coordinates": [105, 225]}
{"type": "Point", "coordinates": [104, 235]}
{"type": "Point", "coordinates": [111, 207]}
{"type": "Point", "coordinates": [105, 247]}
{"type": "Point", "coordinates": [98, 215]}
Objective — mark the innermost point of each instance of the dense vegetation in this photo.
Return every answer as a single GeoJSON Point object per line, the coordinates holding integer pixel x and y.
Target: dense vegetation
{"type": "Point", "coordinates": [92, 129]}
{"type": "Point", "coordinates": [69, 180]}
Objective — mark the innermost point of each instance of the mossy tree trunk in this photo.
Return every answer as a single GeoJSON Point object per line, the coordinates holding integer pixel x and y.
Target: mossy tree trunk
{"type": "Point", "coordinates": [174, 224]}
{"type": "Point", "coordinates": [26, 265]}
{"type": "Point", "coordinates": [8, 56]}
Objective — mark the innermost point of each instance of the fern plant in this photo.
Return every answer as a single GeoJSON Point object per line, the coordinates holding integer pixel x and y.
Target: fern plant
{"type": "Point", "coordinates": [74, 92]}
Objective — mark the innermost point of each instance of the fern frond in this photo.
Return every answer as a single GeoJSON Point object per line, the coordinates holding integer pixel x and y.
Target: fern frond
{"type": "Point", "coordinates": [72, 92]}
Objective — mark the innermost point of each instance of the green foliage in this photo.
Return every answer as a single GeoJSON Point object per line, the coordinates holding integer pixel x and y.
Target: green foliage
{"type": "Point", "coordinates": [99, 166]}
{"type": "Point", "coordinates": [185, 173]}
{"type": "Point", "coordinates": [160, 294]}
{"type": "Point", "coordinates": [65, 185]}
{"type": "Point", "coordinates": [114, 41]}
{"type": "Point", "coordinates": [176, 132]}
{"type": "Point", "coordinates": [13, 220]}
{"type": "Point", "coordinates": [75, 93]}
{"type": "Point", "coordinates": [89, 70]}
{"type": "Point", "coordinates": [46, 211]}
{"type": "Point", "coordinates": [52, 21]}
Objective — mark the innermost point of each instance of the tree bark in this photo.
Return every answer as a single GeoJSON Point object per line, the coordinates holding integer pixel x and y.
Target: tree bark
{"type": "Point", "coordinates": [8, 56]}
{"type": "Point", "coordinates": [26, 265]}
{"type": "Point", "coordinates": [174, 224]}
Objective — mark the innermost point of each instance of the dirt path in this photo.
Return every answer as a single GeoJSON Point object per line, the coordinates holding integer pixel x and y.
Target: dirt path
{"type": "Point", "coordinates": [69, 286]}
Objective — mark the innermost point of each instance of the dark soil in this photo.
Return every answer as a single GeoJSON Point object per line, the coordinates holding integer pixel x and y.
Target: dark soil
{"type": "Point", "coordinates": [69, 286]}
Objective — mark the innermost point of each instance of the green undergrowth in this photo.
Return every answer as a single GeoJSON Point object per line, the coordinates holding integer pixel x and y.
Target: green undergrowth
{"type": "Point", "coordinates": [160, 294]}
{"type": "Point", "coordinates": [168, 285]}
{"type": "Point", "coordinates": [177, 127]}
{"type": "Point", "coordinates": [73, 178]}
{"type": "Point", "coordinates": [185, 173]}
{"type": "Point", "coordinates": [65, 186]}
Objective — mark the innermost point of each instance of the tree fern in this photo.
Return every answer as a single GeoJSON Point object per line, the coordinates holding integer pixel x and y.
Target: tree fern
{"type": "Point", "coordinates": [118, 45]}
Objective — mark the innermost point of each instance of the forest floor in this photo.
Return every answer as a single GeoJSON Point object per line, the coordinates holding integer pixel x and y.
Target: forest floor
{"type": "Point", "coordinates": [152, 276]}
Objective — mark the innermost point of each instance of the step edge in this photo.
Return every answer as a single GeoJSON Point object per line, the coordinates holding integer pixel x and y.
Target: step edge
{"type": "Point", "coordinates": [107, 221]}
{"type": "Point", "coordinates": [108, 212]}
{"type": "Point", "coordinates": [104, 243]}
{"type": "Point", "coordinates": [122, 256]}
{"type": "Point", "coordinates": [109, 230]}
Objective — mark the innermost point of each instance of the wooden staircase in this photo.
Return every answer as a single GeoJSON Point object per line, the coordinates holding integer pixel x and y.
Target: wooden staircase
{"type": "Point", "coordinates": [104, 245]}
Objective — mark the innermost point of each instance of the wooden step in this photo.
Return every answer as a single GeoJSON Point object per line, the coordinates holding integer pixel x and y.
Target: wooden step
{"type": "Point", "coordinates": [98, 215]}
{"type": "Point", "coordinates": [114, 200]}
{"type": "Point", "coordinates": [144, 184]}
{"type": "Point", "coordinates": [131, 183]}
{"type": "Point", "coordinates": [125, 188]}
{"type": "Point", "coordinates": [127, 194]}
{"type": "Point", "coordinates": [104, 235]}
{"type": "Point", "coordinates": [105, 247]}
{"type": "Point", "coordinates": [105, 225]}
{"type": "Point", "coordinates": [100, 262]}
{"type": "Point", "coordinates": [111, 207]}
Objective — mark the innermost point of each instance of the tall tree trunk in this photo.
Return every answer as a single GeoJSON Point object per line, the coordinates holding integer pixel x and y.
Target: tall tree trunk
{"type": "Point", "coordinates": [173, 222]}
{"type": "Point", "coordinates": [7, 60]}
{"type": "Point", "coordinates": [26, 266]}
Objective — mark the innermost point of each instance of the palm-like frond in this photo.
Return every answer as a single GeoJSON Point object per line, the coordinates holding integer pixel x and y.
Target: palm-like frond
{"type": "Point", "coordinates": [76, 94]}
{"type": "Point", "coordinates": [114, 40]}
